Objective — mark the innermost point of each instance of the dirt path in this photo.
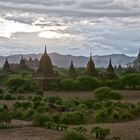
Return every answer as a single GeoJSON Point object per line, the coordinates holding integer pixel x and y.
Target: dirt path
{"type": "Point", "coordinates": [126, 130]}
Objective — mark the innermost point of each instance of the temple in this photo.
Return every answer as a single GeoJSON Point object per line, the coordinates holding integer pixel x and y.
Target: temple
{"type": "Point", "coordinates": [6, 66]}
{"type": "Point", "coordinates": [110, 73]}
{"type": "Point", "coordinates": [22, 66]}
{"type": "Point", "coordinates": [90, 70]}
{"type": "Point", "coordinates": [136, 63]}
{"type": "Point", "coordinates": [71, 70]}
{"type": "Point", "coordinates": [45, 74]}
{"type": "Point", "coordinates": [33, 64]}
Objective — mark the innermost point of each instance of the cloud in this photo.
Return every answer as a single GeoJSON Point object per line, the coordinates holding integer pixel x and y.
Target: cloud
{"type": "Point", "coordinates": [70, 26]}
{"type": "Point", "coordinates": [93, 8]}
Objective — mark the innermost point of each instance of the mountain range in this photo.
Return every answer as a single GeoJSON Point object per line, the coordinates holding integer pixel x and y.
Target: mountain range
{"type": "Point", "coordinates": [79, 61]}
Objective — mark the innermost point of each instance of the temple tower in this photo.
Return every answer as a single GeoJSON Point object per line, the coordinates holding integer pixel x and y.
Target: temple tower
{"type": "Point", "coordinates": [22, 66]}
{"type": "Point", "coordinates": [45, 74]}
{"type": "Point", "coordinates": [71, 70]}
{"type": "Point", "coordinates": [6, 66]}
{"type": "Point", "coordinates": [90, 70]}
{"type": "Point", "coordinates": [110, 73]}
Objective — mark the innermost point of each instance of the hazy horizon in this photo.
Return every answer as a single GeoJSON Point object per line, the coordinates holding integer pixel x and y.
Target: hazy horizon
{"type": "Point", "coordinates": [75, 27]}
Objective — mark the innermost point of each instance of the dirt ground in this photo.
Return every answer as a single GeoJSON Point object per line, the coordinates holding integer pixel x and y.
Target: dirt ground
{"type": "Point", "coordinates": [126, 130]}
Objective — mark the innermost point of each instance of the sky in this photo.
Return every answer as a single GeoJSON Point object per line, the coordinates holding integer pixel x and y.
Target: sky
{"type": "Point", "coordinates": [75, 27]}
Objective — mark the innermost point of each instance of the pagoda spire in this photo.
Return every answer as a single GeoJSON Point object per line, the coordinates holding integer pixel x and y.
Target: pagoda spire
{"type": "Point", "coordinates": [90, 70]}
{"type": "Point", "coordinates": [72, 71]}
{"type": "Point", "coordinates": [6, 66]}
{"type": "Point", "coordinates": [110, 67]}
{"type": "Point", "coordinates": [45, 49]}
{"type": "Point", "coordinates": [110, 73]}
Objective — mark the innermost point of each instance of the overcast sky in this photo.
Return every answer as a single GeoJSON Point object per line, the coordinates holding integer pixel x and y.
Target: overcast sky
{"type": "Point", "coordinates": [70, 26]}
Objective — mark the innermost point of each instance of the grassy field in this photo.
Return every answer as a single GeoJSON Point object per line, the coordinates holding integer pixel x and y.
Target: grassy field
{"type": "Point", "coordinates": [126, 130]}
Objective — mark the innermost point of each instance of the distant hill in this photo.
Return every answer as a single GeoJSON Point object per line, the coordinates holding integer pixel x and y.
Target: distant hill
{"type": "Point", "coordinates": [79, 61]}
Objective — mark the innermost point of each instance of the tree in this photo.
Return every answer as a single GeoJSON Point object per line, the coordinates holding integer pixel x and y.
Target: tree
{"type": "Point", "coordinates": [88, 83]}
{"type": "Point", "coordinates": [67, 84]}
{"type": "Point", "coordinates": [131, 80]}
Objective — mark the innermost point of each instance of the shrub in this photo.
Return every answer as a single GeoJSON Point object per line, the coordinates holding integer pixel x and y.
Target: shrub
{"type": "Point", "coordinates": [105, 93]}
{"type": "Point", "coordinates": [126, 116]}
{"type": "Point", "coordinates": [88, 83]}
{"type": "Point", "coordinates": [131, 81]}
{"type": "Point", "coordinates": [41, 119]}
{"type": "Point", "coordinates": [15, 82]}
{"type": "Point", "coordinates": [101, 133]}
{"type": "Point", "coordinates": [54, 100]}
{"type": "Point", "coordinates": [80, 130]}
{"type": "Point", "coordinates": [72, 118]}
{"type": "Point", "coordinates": [74, 136]}
{"type": "Point", "coordinates": [67, 84]}
{"type": "Point", "coordinates": [9, 97]}
{"type": "Point", "coordinates": [101, 116]}
{"type": "Point", "coordinates": [39, 92]}
{"type": "Point", "coordinates": [18, 84]}
{"type": "Point", "coordinates": [5, 119]}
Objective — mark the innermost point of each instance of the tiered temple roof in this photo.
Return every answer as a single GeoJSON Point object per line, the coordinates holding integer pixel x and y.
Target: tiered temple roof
{"type": "Point", "coordinates": [6, 66]}
{"type": "Point", "coordinates": [45, 73]}
{"type": "Point", "coordinates": [90, 70]}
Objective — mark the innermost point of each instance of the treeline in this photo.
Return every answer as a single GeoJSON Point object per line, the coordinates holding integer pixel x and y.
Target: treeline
{"type": "Point", "coordinates": [23, 82]}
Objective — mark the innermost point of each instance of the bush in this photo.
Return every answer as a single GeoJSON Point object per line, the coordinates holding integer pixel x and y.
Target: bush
{"type": "Point", "coordinates": [74, 136]}
{"type": "Point", "coordinates": [72, 118]}
{"type": "Point", "coordinates": [131, 81]}
{"type": "Point", "coordinates": [39, 92]}
{"type": "Point", "coordinates": [101, 116]}
{"type": "Point", "coordinates": [67, 84]}
{"type": "Point", "coordinates": [15, 82]}
{"type": "Point", "coordinates": [5, 119]}
{"type": "Point", "coordinates": [105, 93]}
{"type": "Point", "coordinates": [41, 119]}
{"type": "Point", "coordinates": [18, 84]}
{"type": "Point", "coordinates": [9, 97]}
{"type": "Point", "coordinates": [101, 133]}
{"type": "Point", "coordinates": [88, 83]}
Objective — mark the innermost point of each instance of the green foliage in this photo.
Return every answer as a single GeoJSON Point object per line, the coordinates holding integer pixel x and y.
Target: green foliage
{"type": "Point", "coordinates": [101, 133]}
{"type": "Point", "coordinates": [87, 83]}
{"type": "Point", "coordinates": [19, 84]}
{"type": "Point", "coordinates": [72, 118]}
{"type": "Point", "coordinates": [39, 92]}
{"type": "Point", "coordinates": [41, 119]}
{"type": "Point", "coordinates": [105, 93]}
{"type": "Point", "coordinates": [3, 77]}
{"type": "Point", "coordinates": [5, 119]}
{"type": "Point", "coordinates": [101, 116]}
{"type": "Point", "coordinates": [114, 84]}
{"type": "Point", "coordinates": [131, 81]}
{"type": "Point", "coordinates": [67, 84]}
{"type": "Point", "coordinates": [80, 130]}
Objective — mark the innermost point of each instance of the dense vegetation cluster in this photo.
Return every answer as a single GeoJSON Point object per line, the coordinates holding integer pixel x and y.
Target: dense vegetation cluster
{"type": "Point", "coordinates": [22, 82]}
